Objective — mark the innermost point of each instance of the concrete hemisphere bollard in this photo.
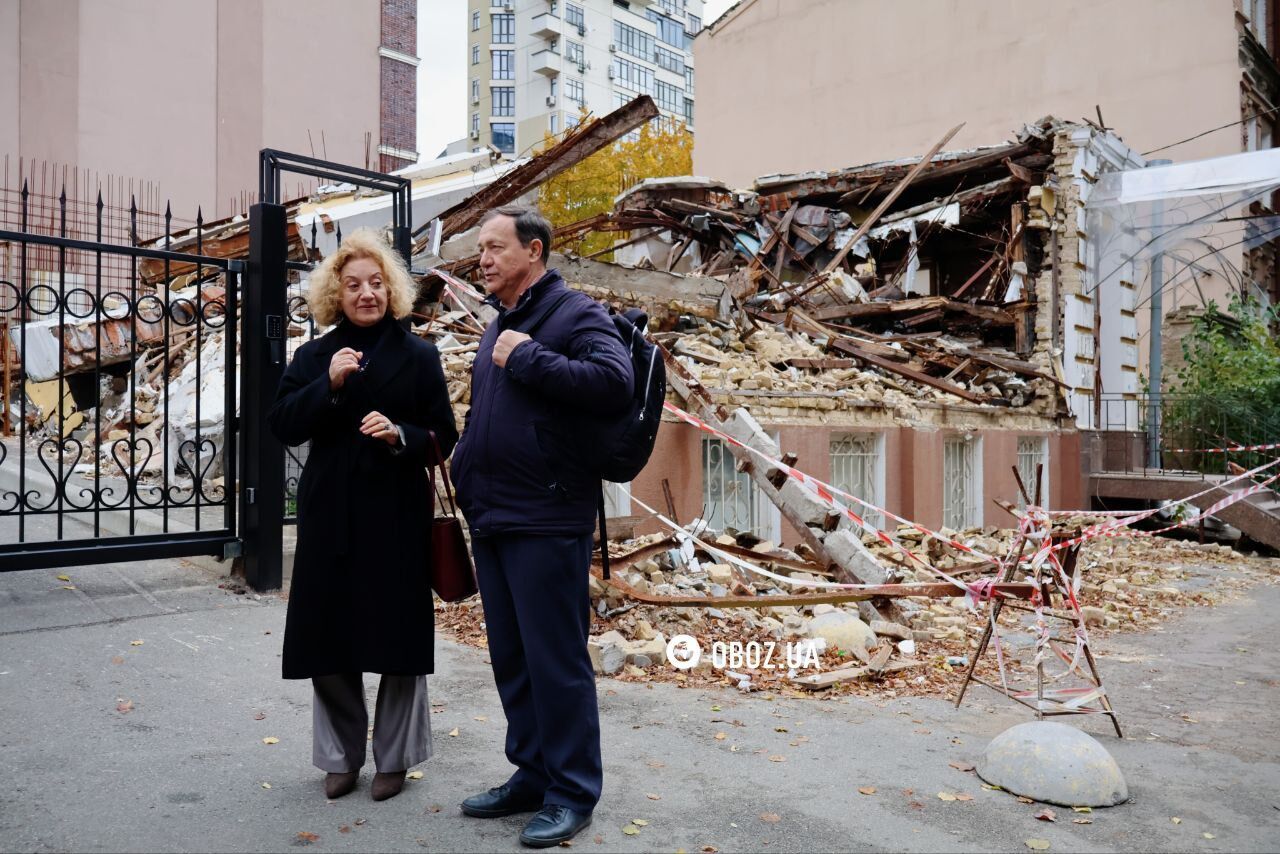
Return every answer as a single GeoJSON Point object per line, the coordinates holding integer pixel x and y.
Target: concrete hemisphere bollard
{"type": "Point", "coordinates": [1053, 763]}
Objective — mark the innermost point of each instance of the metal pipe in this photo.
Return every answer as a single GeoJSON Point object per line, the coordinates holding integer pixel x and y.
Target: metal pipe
{"type": "Point", "coordinates": [1156, 366]}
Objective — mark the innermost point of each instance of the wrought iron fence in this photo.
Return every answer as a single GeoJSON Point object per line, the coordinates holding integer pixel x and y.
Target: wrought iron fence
{"type": "Point", "coordinates": [119, 394]}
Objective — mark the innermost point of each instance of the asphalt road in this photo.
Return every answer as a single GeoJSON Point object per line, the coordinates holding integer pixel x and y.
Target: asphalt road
{"type": "Point", "coordinates": [107, 744]}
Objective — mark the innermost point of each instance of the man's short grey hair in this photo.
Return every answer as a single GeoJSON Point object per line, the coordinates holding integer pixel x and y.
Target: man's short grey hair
{"type": "Point", "coordinates": [530, 224]}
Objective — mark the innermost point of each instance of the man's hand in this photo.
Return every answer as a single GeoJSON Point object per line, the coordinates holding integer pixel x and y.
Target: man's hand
{"type": "Point", "coordinates": [344, 363]}
{"type": "Point", "coordinates": [506, 343]}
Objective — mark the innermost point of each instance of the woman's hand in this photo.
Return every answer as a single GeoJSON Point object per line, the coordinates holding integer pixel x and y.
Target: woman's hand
{"type": "Point", "coordinates": [379, 426]}
{"type": "Point", "coordinates": [344, 362]}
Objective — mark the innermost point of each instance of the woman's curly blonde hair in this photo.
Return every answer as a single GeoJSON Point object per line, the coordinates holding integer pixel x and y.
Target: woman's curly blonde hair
{"type": "Point", "coordinates": [324, 296]}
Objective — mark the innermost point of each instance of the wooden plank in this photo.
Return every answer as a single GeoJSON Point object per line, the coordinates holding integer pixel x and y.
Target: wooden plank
{"type": "Point", "coordinates": [850, 347]}
{"type": "Point", "coordinates": [820, 364]}
{"type": "Point", "coordinates": [820, 681]}
{"type": "Point", "coordinates": [888, 200]}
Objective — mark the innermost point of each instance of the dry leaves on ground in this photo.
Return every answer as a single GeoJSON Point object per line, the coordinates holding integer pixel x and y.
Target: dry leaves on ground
{"type": "Point", "coordinates": [770, 817]}
{"type": "Point", "coordinates": [868, 790]}
{"type": "Point", "coordinates": [1047, 814]}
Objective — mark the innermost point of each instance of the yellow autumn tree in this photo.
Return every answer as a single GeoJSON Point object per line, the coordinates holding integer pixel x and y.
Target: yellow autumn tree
{"type": "Point", "coordinates": [661, 148]}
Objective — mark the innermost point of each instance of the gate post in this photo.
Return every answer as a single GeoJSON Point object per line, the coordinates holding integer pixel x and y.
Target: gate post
{"type": "Point", "coordinates": [263, 360]}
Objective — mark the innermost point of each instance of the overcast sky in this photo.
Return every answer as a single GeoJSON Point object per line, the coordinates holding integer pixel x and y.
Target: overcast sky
{"type": "Point", "coordinates": [442, 74]}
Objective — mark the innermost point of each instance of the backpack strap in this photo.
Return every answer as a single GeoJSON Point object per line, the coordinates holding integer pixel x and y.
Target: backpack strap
{"type": "Point", "coordinates": [604, 537]}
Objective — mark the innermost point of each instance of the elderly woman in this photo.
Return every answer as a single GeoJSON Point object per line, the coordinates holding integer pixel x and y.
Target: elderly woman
{"type": "Point", "coordinates": [368, 396]}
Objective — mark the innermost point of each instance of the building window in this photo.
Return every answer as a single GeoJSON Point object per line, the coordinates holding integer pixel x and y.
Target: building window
{"type": "Point", "coordinates": [671, 7]}
{"type": "Point", "coordinates": [669, 31]}
{"type": "Point", "coordinates": [504, 29]}
{"type": "Point", "coordinates": [669, 60]}
{"type": "Point", "coordinates": [1033, 451]}
{"type": "Point", "coordinates": [504, 136]}
{"type": "Point", "coordinates": [688, 111]}
{"type": "Point", "coordinates": [504, 100]}
{"type": "Point", "coordinates": [961, 483]}
{"type": "Point", "coordinates": [669, 98]}
{"type": "Point", "coordinates": [475, 21]}
{"type": "Point", "coordinates": [555, 128]}
{"type": "Point", "coordinates": [573, 90]}
{"type": "Point", "coordinates": [617, 496]}
{"type": "Point", "coordinates": [475, 124]}
{"type": "Point", "coordinates": [688, 79]}
{"type": "Point", "coordinates": [1257, 12]}
{"type": "Point", "coordinates": [475, 89]}
{"type": "Point", "coordinates": [635, 42]}
{"type": "Point", "coordinates": [695, 24]}
{"type": "Point", "coordinates": [503, 65]}
{"type": "Point", "coordinates": [475, 54]}
{"type": "Point", "coordinates": [856, 469]}
{"type": "Point", "coordinates": [729, 498]}
{"type": "Point", "coordinates": [497, 4]}
{"type": "Point", "coordinates": [573, 52]}
{"type": "Point", "coordinates": [574, 17]}
{"type": "Point", "coordinates": [628, 75]}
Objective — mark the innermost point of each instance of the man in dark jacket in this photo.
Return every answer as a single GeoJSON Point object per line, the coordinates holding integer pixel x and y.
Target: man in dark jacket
{"type": "Point", "coordinates": [548, 370]}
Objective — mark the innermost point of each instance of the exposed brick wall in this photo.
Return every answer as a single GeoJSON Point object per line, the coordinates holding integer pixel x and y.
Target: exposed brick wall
{"type": "Point", "coordinates": [399, 110]}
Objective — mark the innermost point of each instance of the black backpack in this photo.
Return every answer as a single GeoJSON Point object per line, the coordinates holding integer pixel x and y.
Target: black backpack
{"type": "Point", "coordinates": [630, 440]}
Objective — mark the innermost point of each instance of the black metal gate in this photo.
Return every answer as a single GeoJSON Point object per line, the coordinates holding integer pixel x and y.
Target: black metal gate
{"type": "Point", "coordinates": [274, 312]}
{"type": "Point", "coordinates": [120, 442]}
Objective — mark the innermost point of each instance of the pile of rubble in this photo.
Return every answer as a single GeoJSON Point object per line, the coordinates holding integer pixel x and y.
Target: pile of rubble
{"type": "Point", "coordinates": [1141, 582]}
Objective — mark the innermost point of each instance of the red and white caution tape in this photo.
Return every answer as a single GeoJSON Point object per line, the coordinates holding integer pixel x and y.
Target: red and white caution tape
{"type": "Point", "coordinates": [1231, 450]}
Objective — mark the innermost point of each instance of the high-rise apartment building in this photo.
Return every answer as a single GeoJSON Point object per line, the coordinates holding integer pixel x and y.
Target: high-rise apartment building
{"type": "Point", "coordinates": [532, 64]}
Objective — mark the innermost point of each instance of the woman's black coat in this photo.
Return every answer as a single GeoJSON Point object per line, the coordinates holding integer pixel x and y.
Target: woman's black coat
{"type": "Point", "coordinates": [360, 598]}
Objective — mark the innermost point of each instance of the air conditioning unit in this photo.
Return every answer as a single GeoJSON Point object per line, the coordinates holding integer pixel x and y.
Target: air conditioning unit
{"type": "Point", "coordinates": [582, 68]}
{"type": "Point", "coordinates": [610, 72]}
{"type": "Point", "coordinates": [475, 134]}
{"type": "Point", "coordinates": [475, 101]}
{"type": "Point", "coordinates": [613, 48]}
{"type": "Point", "coordinates": [508, 7]}
{"type": "Point", "coordinates": [582, 29]}
{"type": "Point", "coordinates": [551, 100]}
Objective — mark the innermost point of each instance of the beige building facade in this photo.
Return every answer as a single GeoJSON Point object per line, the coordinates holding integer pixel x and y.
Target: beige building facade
{"type": "Point", "coordinates": [182, 94]}
{"type": "Point", "coordinates": [826, 84]}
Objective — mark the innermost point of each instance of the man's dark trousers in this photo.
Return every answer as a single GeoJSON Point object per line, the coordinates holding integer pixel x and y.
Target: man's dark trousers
{"type": "Point", "coordinates": [537, 613]}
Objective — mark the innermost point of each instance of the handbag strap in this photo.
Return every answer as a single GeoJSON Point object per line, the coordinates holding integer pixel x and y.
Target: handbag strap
{"type": "Point", "coordinates": [444, 472]}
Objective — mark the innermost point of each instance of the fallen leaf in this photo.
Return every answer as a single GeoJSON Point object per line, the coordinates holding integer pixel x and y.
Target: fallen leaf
{"type": "Point", "coordinates": [992, 787]}
{"type": "Point", "coordinates": [453, 733]}
{"type": "Point", "coordinates": [708, 849]}
{"type": "Point", "coordinates": [640, 822]}
{"type": "Point", "coordinates": [266, 785]}
{"type": "Point", "coordinates": [117, 659]}
{"type": "Point", "coordinates": [346, 828]}
{"type": "Point", "coordinates": [657, 763]}
{"type": "Point", "coordinates": [1082, 821]}
{"type": "Point", "coordinates": [651, 796]}
{"type": "Point", "coordinates": [598, 840]}
{"type": "Point", "coordinates": [868, 790]}
{"type": "Point", "coordinates": [360, 821]}
{"type": "Point", "coordinates": [716, 709]}
{"type": "Point", "coordinates": [434, 808]}
{"type": "Point", "coordinates": [271, 739]}
{"type": "Point", "coordinates": [770, 817]}
{"type": "Point", "coordinates": [480, 718]}
{"type": "Point", "coordinates": [414, 775]}
{"type": "Point", "coordinates": [1047, 814]}
{"type": "Point", "coordinates": [1176, 820]}
{"type": "Point", "coordinates": [915, 805]}
{"type": "Point", "coordinates": [68, 587]}
{"type": "Point", "coordinates": [1023, 800]}
{"type": "Point", "coordinates": [124, 706]}
{"type": "Point", "coordinates": [1038, 844]}
{"type": "Point", "coordinates": [946, 796]}
{"type": "Point", "coordinates": [136, 643]}
{"type": "Point", "coordinates": [64, 578]}
{"type": "Point", "coordinates": [260, 716]}
{"type": "Point", "coordinates": [780, 729]}
{"type": "Point", "coordinates": [307, 838]}
{"type": "Point", "coordinates": [1208, 836]}
{"type": "Point", "coordinates": [777, 759]}
{"type": "Point", "coordinates": [721, 736]}
{"type": "Point", "coordinates": [961, 796]}
{"type": "Point", "coordinates": [630, 830]}
{"type": "Point", "coordinates": [733, 748]}
{"type": "Point", "coordinates": [961, 766]}
{"type": "Point", "coordinates": [1082, 809]}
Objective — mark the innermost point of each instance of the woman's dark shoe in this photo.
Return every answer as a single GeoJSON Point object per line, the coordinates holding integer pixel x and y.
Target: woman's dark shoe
{"type": "Point", "coordinates": [500, 801]}
{"type": "Point", "coordinates": [552, 825]}
{"type": "Point", "coordinates": [387, 784]}
{"type": "Point", "coordinates": [338, 784]}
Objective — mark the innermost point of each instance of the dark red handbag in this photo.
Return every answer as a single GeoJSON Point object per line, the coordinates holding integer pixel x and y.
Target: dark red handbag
{"type": "Point", "coordinates": [453, 577]}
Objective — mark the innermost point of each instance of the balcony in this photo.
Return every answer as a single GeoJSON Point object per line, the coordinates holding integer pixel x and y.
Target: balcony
{"type": "Point", "coordinates": [546, 62]}
{"type": "Point", "coordinates": [547, 26]}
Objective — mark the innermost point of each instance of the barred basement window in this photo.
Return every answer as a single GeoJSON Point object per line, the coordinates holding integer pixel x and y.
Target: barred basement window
{"type": "Point", "coordinates": [1033, 451]}
{"type": "Point", "coordinates": [961, 483]}
{"type": "Point", "coordinates": [856, 469]}
{"type": "Point", "coordinates": [729, 498]}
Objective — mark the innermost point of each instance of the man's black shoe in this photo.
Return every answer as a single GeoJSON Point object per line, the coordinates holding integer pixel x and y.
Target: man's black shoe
{"type": "Point", "coordinates": [500, 801]}
{"type": "Point", "coordinates": [552, 825]}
